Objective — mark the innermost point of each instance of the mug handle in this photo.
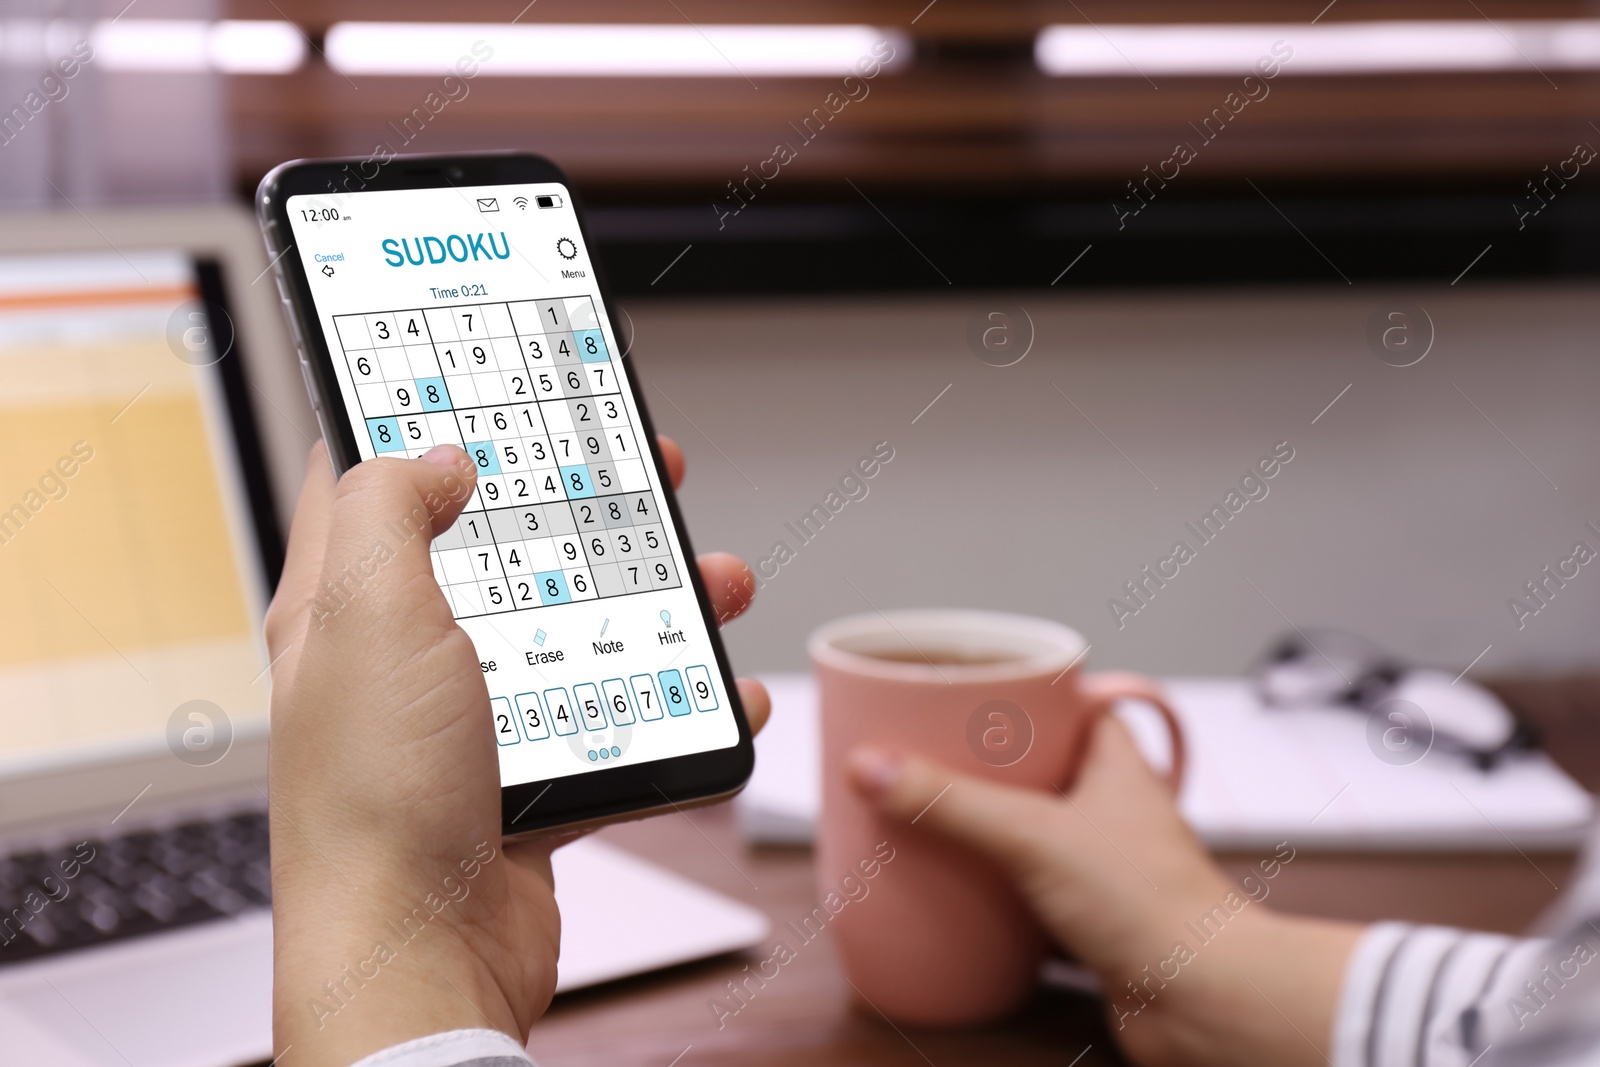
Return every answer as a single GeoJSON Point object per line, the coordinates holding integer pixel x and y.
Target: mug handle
{"type": "Point", "coordinates": [1107, 687]}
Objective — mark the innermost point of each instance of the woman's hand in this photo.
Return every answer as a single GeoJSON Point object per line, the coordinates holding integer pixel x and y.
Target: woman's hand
{"type": "Point", "coordinates": [396, 911]}
{"type": "Point", "coordinates": [1118, 879]}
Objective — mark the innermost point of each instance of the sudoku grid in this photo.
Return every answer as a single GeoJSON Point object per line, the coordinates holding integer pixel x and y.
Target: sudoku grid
{"type": "Point", "coordinates": [563, 509]}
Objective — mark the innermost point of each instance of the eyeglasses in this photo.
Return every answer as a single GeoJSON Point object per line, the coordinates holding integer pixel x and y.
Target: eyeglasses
{"type": "Point", "coordinates": [1333, 668]}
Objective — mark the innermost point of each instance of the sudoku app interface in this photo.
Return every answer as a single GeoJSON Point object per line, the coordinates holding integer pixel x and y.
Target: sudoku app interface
{"type": "Point", "coordinates": [472, 317]}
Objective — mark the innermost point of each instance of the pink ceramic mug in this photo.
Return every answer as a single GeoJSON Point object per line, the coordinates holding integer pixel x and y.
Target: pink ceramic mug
{"type": "Point", "coordinates": [941, 939]}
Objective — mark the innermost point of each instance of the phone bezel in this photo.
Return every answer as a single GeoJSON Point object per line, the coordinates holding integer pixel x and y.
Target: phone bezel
{"type": "Point", "coordinates": [589, 797]}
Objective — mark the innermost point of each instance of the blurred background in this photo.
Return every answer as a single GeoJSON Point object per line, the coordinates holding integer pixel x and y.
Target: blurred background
{"type": "Point", "coordinates": [1069, 270]}
{"type": "Point", "coordinates": [801, 253]}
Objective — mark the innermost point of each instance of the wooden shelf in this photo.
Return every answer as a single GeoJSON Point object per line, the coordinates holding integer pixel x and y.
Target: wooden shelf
{"type": "Point", "coordinates": [970, 107]}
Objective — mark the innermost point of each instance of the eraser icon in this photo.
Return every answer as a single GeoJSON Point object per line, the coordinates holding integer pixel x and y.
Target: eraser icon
{"type": "Point", "coordinates": [538, 637]}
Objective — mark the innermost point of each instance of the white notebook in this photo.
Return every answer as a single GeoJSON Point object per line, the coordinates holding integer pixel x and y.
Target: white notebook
{"type": "Point", "coordinates": [621, 915]}
{"type": "Point", "coordinates": [1256, 777]}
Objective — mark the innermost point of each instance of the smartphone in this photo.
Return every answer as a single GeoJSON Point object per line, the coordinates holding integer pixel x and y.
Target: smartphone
{"type": "Point", "coordinates": [459, 300]}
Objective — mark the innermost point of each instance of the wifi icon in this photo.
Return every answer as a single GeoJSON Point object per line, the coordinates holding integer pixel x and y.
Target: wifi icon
{"type": "Point", "coordinates": [521, 202]}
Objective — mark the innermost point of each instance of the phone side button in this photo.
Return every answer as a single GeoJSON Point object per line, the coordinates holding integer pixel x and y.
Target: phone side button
{"type": "Point", "coordinates": [294, 323]}
{"type": "Point", "coordinates": [305, 375]}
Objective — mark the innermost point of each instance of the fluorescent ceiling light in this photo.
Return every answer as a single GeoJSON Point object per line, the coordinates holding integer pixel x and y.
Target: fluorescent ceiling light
{"type": "Point", "coordinates": [432, 48]}
{"type": "Point", "coordinates": [1385, 47]}
{"type": "Point", "coordinates": [191, 45]}
{"type": "Point", "coordinates": [240, 47]}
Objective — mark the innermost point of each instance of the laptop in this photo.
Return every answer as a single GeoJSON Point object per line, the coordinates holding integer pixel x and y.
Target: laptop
{"type": "Point", "coordinates": [139, 539]}
{"type": "Point", "coordinates": [153, 433]}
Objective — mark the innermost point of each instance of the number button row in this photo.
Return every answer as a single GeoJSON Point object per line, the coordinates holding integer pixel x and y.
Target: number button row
{"type": "Point", "coordinates": [641, 698]}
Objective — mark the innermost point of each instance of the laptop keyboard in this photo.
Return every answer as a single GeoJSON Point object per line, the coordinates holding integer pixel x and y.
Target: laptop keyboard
{"type": "Point", "coordinates": [132, 884]}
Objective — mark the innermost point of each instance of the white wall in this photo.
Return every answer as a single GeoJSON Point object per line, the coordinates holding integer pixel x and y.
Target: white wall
{"type": "Point", "coordinates": [1404, 515]}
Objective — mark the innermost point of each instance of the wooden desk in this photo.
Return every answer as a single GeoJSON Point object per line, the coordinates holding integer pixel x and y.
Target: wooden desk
{"type": "Point", "coordinates": [805, 1014]}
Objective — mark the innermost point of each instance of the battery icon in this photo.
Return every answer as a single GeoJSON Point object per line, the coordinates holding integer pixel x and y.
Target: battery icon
{"type": "Point", "coordinates": [547, 201]}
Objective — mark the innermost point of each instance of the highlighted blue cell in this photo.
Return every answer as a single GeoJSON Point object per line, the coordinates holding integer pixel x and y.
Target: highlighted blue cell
{"type": "Point", "coordinates": [433, 394]}
{"type": "Point", "coordinates": [575, 480]}
{"type": "Point", "coordinates": [385, 435]}
{"type": "Point", "coordinates": [484, 457]}
{"type": "Point", "coordinates": [552, 587]}
{"type": "Point", "coordinates": [591, 346]}
{"type": "Point", "coordinates": [673, 693]}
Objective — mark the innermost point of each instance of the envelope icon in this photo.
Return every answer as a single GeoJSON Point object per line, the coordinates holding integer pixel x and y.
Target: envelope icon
{"type": "Point", "coordinates": [488, 203]}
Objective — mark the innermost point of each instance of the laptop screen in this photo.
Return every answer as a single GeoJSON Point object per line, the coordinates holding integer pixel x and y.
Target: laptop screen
{"type": "Point", "coordinates": [130, 580]}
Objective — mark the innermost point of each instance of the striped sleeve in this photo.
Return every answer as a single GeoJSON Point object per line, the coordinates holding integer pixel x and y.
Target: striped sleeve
{"type": "Point", "coordinates": [1430, 996]}
{"type": "Point", "coordinates": [456, 1048]}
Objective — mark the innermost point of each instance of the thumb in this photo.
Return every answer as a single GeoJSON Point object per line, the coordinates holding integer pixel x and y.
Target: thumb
{"type": "Point", "coordinates": [1006, 824]}
{"type": "Point", "coordinates": [385, 516]}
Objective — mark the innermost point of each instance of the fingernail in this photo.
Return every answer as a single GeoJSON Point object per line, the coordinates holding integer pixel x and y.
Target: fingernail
{"type": "Point", "coordinates": [443, 455]}
{"type": "Point", "coordinates": [873, 771]}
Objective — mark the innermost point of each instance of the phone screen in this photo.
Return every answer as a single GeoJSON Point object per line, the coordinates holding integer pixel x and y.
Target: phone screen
{"type": "Point", "coordinates": [472, 317]}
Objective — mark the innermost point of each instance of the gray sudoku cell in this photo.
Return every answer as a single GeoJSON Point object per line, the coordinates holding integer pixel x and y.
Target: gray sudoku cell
{"type": "Point", "coordinates": [607, 579]}
{"type": "Point", "coordinates": [451, 538]}
{"type": "Point", "coordinates": [553, 316]}
{"type": "Point", "coordinates": [645, 533]}
{"type": "Point", "coordinates": [504, 524]}
{"type": "Point", "coordinates": [616, 512]}
{"type": "Point", "coordinates": [474, 527]}
{"type": "Point", "coordinates": [659, 566]}
{"type": "Point", "coordinates": [625, 544]}
{"type": "Point", "coordinates": [589, 514]}
{"type": "Point", "coordinates": [605, 476]}
{"type": "Point", "coordinates": [563, 348]}
{"type": "Point", "coordinates": [642, 509]}
{"type": "Point", "coordinates": [532, 521]}
{"type": "Point", "coordinates": [593, 444]}
{"type": "Point", "coordinates": [597, 546]}
{"type": "Point", "coordinates": [559, 520]}
{"type": "Point", "coordinates": [635, 579]}
{"type": "Point", "coordinates": [585, 415]}
{"type": "Point", "coordinates": [575, 383]}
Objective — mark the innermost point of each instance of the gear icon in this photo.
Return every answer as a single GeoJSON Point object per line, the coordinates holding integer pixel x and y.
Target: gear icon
{"type": "Point", "coordinates": [566, 248]}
